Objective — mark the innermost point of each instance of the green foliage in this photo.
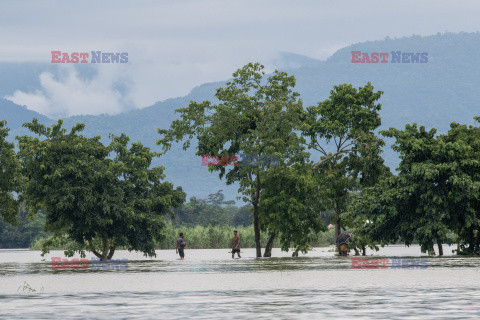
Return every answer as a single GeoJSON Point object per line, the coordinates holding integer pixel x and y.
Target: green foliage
{"type": "Point", "coordinates": [345, 124]}
{"type": "Point", "coordinates": [206, 213]}
{"type": "Point", "coordinates": [435, 193]}
{"type": "Point", "coordinates": [211, 211]}
{"type": "Point", "coordinates": [431, 94]}
{"type": "Point", "coordinates": [10, 178]}
{"type": "Point", "coordinates": [260, 117]}
{"type": "Point", "coordinates": [24, 233]}
{"type": "Point", "coordinates": [61, 242]}
{"type": "Point", "coordinates": [289, 206]}
{"type": "Point", "coordinates": [91, 191]}
{"type": "Point", "coordinates": [107, 197]}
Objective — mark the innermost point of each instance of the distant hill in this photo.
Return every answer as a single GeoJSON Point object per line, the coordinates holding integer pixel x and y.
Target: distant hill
{"type": "Point", "coordinates": [433, 94]}
{"type": "Point", "coordinates": [17, 115]}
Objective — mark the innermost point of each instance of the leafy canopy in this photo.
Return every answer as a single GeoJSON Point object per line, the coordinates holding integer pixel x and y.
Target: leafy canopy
{"type": "Point", "coordinates": [436, 190]}
{"type": "Point", "coordinates": [91, 191]}
{"type": "Point", "coordinates": [341, 128]}
{"type": "Point", "coordinates": [259, 117]}
{"type": "Point", "coordinates": [10, 177]}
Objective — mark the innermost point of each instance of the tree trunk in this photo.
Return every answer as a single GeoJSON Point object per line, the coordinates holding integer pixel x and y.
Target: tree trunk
{"type": "Point", "coordinates": [107, 252]}
{"type": "Point", "coordinates": [364, 251]}
{"type": "Point", "coordinates": [337, 232]}
{"type": "Point", "coordinates": [105, 248]}
{"type": "Point", "coordinates": [268, 248]}
{"type": "Point", "coordinates": [337, 223]}
{"type": "Point", "coordinates": [98, 255]}
{"type": "Point", "coordinates": [471, 242]}
{"type": "Point", "coordinates": [440, 248]}
{"type": "Point", "coordinates": [101, 257]}
{"type": "Point", "coordinates": [257, 232]}
{"type": "Point", "coordinates": [476, 241]}
{"type": "Point", "coordinates": [256, 228]}
{"type": "Point", "coordinates": [110, 254]}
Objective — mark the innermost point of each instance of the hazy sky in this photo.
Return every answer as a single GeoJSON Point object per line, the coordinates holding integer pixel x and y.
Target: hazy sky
{"type": "Point", "coordinates": [174, 46]}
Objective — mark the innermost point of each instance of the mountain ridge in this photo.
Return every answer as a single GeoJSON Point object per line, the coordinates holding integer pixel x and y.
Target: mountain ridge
{"type": "Point", "coordinates": [433, 94]}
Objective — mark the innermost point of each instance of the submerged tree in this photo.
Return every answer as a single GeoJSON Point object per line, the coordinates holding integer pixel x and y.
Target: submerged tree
{"type": "Point", "coordinates": [342, 128]}
{"type": "Point", "coordinates": [257, 117]}
{"type": "Point", "coordinates": [290, 207]}
{"type": "Point", "coordinates": [419, 187]}
{"type": "Point", "coordinates": [96, 194]}
{"type": "Point", "coordinates": [10, 178]}
{"type": "Point", "coordinates": [436, 190]}
{"type": "Point", "coordinates": [460, 150]}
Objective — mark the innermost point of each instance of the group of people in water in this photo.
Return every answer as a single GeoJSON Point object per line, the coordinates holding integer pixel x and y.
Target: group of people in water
{"type": "Point", "coordinates": [342, 244]}
{"type": "Point", "coordinates": [181, 244]}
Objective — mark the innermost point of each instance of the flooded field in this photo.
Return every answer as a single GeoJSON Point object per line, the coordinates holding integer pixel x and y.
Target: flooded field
{"type": "Point", "coordinates": [208, 284]}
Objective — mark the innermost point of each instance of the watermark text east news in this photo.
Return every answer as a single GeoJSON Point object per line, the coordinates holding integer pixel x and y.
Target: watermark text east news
{"type": "Point", "coordinates": [387, 263]}
{"type": "Point", "coordinates": [382, 57]}
{"type": "Point", "coordinates": [96, 264]}
{"type": "Point", "coordinates": [96, 57]}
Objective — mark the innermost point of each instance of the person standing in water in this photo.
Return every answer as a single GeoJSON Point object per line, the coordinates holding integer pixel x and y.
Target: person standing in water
{"type": "Point", "coordinates": [180, 245]}
{"type": "Point", "coordinates": [235, 244]}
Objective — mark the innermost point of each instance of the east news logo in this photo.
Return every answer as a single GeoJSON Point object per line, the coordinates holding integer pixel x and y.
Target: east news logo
{"type": "Point", "coordinates": [387, 263]}
{"type": "Point", "coordinates": [382, 57]}
{"type": "Point", "coordinates": [96, 57]}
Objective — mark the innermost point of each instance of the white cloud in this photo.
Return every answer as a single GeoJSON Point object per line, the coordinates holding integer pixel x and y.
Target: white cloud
{"type": "Point", "coordinates": [69, 94]}
{"type": "Point", "coordinates": [35, 100]}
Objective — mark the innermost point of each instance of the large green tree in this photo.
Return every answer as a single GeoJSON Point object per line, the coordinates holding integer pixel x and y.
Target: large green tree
{"type": "Point", "coordinates": [290, 207]}
{"type": "Point", "coordinates": [341, 128]}
{"type": "Point", "coordinates": [460, 154]}
{"type": "Point", "coordinates": [419, 187]}
{"type": "Point", "coordinates": [10, 178]}
{"type": "Point", "coordinates": [101, 197]}
{"type": "Point", "coordinates": [435, 192]}
{"type": "Point", "coordinates": [257, 116]}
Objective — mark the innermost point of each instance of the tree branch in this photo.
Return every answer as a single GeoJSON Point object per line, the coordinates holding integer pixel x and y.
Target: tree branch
{"type": "Point", "coordinates": [321, 149]}
{"type": "Point", "coordinates": [96, 253]}
{"type": "Point", "coordinates": [110, 255]}
{"type": "Point", "coordinates": [331, 156]}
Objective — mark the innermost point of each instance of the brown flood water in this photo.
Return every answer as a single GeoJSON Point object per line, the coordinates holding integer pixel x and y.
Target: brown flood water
{"type": "Point", "coordinates": [208, 284]}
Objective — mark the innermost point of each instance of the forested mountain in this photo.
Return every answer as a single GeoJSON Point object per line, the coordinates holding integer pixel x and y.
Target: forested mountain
{"type": "Point", "coordinates": [433, 94]}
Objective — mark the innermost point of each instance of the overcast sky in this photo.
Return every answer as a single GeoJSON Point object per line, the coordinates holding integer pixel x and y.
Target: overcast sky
{"type": "Point", "coordinates": [174, 46]}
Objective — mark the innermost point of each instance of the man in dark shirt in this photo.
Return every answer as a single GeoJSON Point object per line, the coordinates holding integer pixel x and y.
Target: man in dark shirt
{"type": "Point", "coordinates": [235, 244]}
{"type": "Point", "coordinates": [180, 245]}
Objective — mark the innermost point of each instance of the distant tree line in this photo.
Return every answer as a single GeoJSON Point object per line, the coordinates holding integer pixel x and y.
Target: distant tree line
{"type": "Point", "coordinates": [26, 232]}
{"type": "Point", "coordinates": [210, 212]}
{"type": "Point", "coordinates": [213, 211]}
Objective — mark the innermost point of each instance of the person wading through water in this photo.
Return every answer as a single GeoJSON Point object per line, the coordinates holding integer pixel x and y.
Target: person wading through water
{"type": "Point", "coordinates": [180, 245]}
{"type": "Point", "coordinates": [235, 244]}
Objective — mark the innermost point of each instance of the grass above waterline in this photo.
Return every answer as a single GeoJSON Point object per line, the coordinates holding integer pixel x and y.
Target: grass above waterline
{"type": "Point", "coordinates": [210, 237]}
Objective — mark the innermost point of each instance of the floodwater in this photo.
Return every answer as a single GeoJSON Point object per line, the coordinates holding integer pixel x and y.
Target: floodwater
{"type": "Point", "coordinates": [208, 284]}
